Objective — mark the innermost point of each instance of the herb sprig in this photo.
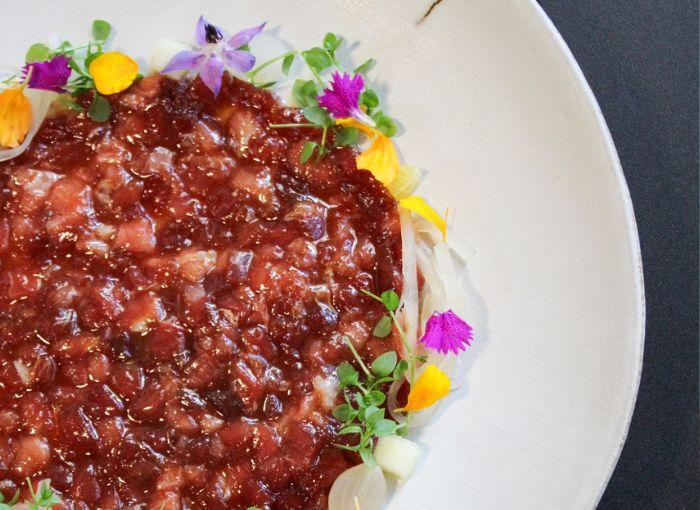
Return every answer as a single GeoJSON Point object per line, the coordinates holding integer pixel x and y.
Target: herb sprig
{"type": "Point", "coordinates": [79, 60]}
{"type": "Point", "coordinates": [43, 498]}
{"type": "Point", "coordinates": [361, 413]}
{"type": "Point", "coordinates": [319, 60]}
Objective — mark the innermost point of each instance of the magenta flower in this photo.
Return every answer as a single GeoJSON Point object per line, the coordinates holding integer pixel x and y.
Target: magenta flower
{"type": "Point", "coordinates": [446, 332]}
{"type": "Point", "coordinates": [342, 99]}
{"type": "Point", "coordinates": [213, 54]}
{"type": "Point", "coordinates": [49, 75]}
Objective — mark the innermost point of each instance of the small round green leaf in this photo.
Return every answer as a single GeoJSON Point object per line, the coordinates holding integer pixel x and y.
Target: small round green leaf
{"type": "Point", "coordinates": [101, 30]}
{"type": "Point", "coordinates": [100, 109]}
{"type": "Point", "coordinates": [287, 63]}
{"type": "Point", "coordinates": [383, 327]}
{"type": "Point", "coordinates": [391, 300]}
{"type": "Point", "coordinates": [347, 375]}
{"type": "Point", "coordinates": [38, 52]}
{"type": "Point", "coordinates": [384, 364]}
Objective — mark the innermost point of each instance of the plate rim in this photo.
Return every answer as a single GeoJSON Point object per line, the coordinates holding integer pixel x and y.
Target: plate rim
{"type": "Point", "coordinates": [541, 17]}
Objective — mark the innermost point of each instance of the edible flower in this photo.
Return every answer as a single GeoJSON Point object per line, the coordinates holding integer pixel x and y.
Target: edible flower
{"type": "Point", "coordinates": [212, 55]}
{"type": "Point", "coordinates": [15, 116]}
{"type": "Point", "coordinates": [419, 206]}
{"type": "Point", "coordinates": [380, 158]}
{"type": "Point", "coordinates": [447, 332]}
{"type": "Point", "coordinates": [113, 72]}
{"type": "Point", "coordinates": [50, 75]}
{"type": "Point", "coordinates": [342, 98]}
{"type": "Point", "coordinates": [431, 386]}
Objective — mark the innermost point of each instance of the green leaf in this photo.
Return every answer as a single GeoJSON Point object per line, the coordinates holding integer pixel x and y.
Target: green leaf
{"type": "Point", "coordinates": [38, 52]}
{"type": "Point", "coordinates": [367, 457]}
{"type": "Point", "coordinates": [400, 369]}
{"type": "Point", "coordinates": [344, 413]}
{"type": "Point", "coordinates": [385, 124]}
{"type": "Point", "coordinates": [317, 59]}
{"type": "Point", "coordinates": [267, 85]}
{"type": "Point", "coordinates": [368, 412]}
{"type": "Point", "coordinates": [375, 398]}
{"type": "Point", "coordinates": [347, 375]}
{"type": "Point", "coordinates": [317, 115]}
{"type": "Point", "coordinates": [304, 93]}
{"type": "Point", "coordinates": [391, 300]}
{"type": "Point", "coordinates": [100, 109]}
{"type": "Point", "coordinates": [331, 42]}
{"type": "Point", "coordinates": [350, 429]}
{"type": "Point", "coordinates": [69, 103]}
{"type": "Point", "coordinates": [383, 327]}
{"type": "Point", "coordinates": [101, 30]}
{"type": "Point", "coordinates": [346, 136]}
{"type": "Point", "coordinates": [384, 364]}
{"type": "Point", "coordinates": [287, 63]}
{"type": "Point", "coordinates": [306, 153]}
{"type": "Point", "coordinates": [385, 427]}
{"type": "Point", "coordinates": [365, 66]}
{"type": "Point", "coordinates": [369, 99]}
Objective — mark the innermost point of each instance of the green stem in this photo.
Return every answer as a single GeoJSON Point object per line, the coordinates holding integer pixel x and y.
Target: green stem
{"type": "Point", "coordinates": [294, 125]}
{"type": "Point", "coordinates": [254, 72]}
{"type": "Point", "coordinates": [357, 356]}
{"type": "Point", "coordinates": [313, 71]}
{"type": "Point", "coordinates": [323, 138]}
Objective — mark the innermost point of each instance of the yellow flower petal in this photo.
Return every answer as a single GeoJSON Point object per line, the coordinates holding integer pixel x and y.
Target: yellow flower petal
{"type": "Point", "coordinates": [380, 159]}
{"type": "Point", "coordinates": [113, 72]}
{"type": "Point", "coordinates": [419, 206]}
{"type": "Point", "coordinates": [353, 123]}
{"type": "Point", "coordinates": [15, 117]}
{"type": "Point", "coordinates": [431, 386]}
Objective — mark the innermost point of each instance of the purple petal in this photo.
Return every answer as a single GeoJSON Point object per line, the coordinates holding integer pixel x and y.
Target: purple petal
{"type": "Point", "coordinates": [244, 36]}
{"type": "Point", "coordinates": [242, 61]}
{"type": "Point", "coordinates": [50, 75]}
{"type": "Point", "coordinates": [200, 33]}
{"type": "Point", "coordinates": [185, 60]}
{"type": "Point", "coordinates": [212, 72]}
{"type": "Point", "coordinates": [445, 332]}
{"type": "Point", "coordinates": [343, 96]}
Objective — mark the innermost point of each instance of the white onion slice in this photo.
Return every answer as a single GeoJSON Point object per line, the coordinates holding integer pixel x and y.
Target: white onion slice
{"type": "Point", "coordinates": [41, 101]}
{"type": "Point", "coordinates": [165, 50]}
{"type": "Point", "coordinates": [409, 297]}
{"type": "Point", "coordinates": [359, 486]}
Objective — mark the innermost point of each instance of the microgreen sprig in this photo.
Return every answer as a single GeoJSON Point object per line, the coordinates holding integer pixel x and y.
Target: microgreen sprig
{"type": "Point", "coordinates": [79, 60]}
{"type": "Point", "coordinates": [43, 498]}
{"type": "Point", "coordinates": [361, 413]}
{"type": "Point", "coordinates": [319, 59]}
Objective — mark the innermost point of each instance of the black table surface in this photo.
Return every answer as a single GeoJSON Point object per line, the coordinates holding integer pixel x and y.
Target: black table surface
{"type": "Point", "coordinates": [641, 60]}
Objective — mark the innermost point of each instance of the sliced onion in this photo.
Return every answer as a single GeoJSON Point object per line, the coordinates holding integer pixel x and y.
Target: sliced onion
{"type": "Point", "coordinates": [409, 297]}
{"type": "Point", "coordinates": [165, 50]}
{"type": "Point", "coordinates": [359, 487]}
{"type": "Point", "coordinates": [41, 101]}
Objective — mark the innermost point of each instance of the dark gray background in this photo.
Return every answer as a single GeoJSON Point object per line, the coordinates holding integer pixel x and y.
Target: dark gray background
{"type": "Point", "coordinates": [641, 59]}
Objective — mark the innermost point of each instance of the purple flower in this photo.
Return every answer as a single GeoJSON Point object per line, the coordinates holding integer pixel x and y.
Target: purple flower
{"type": "Point", "coordinates": [49, 75]}
{"type": "Point", "coordinates": [446, 332]}
{"type": "Point", "coordinates": [342, 99]}
{"type": "Point", "coordinates": [213, 54]}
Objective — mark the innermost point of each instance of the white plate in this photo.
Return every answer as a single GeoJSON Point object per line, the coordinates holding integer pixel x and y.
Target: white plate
{"type": "Point", "coordinates": [495, 107]}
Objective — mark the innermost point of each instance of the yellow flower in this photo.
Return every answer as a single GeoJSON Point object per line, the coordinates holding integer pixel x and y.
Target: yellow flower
{"type": "Point", "coordinates": [431, 386]}
{"type": "Point", "coordinates": [113, 72]}
{"type": "Point", "coordinates": [381, 158]}
{"type": "Point", "coordinates": [15, 117]}
{"type": "Point", "coordinates": [419, 206]}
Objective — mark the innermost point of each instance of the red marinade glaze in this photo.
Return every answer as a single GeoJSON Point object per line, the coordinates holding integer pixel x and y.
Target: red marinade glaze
{"type": "Point", "coordinates": [174, 289]}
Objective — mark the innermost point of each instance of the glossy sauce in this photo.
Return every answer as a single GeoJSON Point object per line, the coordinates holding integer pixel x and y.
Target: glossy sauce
{"type": "Point", "coordinates": [174, 289]}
